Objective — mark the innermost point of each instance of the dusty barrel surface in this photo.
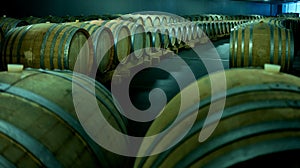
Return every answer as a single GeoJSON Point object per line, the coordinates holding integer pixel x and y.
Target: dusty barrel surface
{"type": "Point", "coordinates": [103, 42]}
{"type": "Point", "coordinates": [48, 46]}
{"type": "Point", "coordinates": [39, 123]}
{"type": "Point", "coordinates": [256, 44]}
{"type": "Point", "coordinates": [260, 118]}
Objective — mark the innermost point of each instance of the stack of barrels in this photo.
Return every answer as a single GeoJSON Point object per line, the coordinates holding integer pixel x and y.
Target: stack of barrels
{"type": "Point", "coordinates": [166, 30]}
{"type": "Point", "coordinates": [40, 124]}
{"type": "Point", "coordinates": [63, 44]}
{"type": "Point", "coordinates": [219, 17]}
{"type": "Point", "coordinates": [40, 127]}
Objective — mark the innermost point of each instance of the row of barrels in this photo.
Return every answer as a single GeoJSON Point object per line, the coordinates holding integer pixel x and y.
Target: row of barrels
{"type": "Point", "coordinates": [215, 30]}
{"type": "Point", "coordinates": [212, 29]}
{"type": "Point", "coordinates": [260, 118]}
{"type": "Point", "coordinates": [110, 42]}
{"type": "Point", "coordinates": [153, 19]}
{"type": "Point", "coordinates": [68, 18]}
{"type": "Point", "coordinates": [271, 40]}
{"type": "Point", "coordinates": [218, 17]}
{"type": "Point", "coordinates": [290, 14]}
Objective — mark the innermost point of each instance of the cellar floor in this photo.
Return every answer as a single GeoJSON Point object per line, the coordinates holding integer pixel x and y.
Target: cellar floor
{"type": "Point", "coordinates": [147, 79]}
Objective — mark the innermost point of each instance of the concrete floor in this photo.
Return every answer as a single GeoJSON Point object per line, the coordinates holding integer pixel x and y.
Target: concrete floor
{"type": "Point", "coordinates": [214, 56]}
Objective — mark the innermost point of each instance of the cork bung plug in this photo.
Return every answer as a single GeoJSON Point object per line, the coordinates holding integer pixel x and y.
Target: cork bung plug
{"type": "Point", "coordinates": [272, 68]}
{"type": "Point", "coordinates": [15, 67]}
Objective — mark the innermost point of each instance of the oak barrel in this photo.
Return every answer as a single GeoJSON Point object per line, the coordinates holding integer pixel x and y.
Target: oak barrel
{"type": "Point", "coordinates": [256, 44]}
{"type": "Point", "coordinates": [48, 46]}
{"type": "Point", "coordinates": [122, 40]}
{"type": "Point", "coordinates": [137, 36]}
{"type": "Point", "coordinates": [156, 38]}
{"type": "Point", "coordinates": [39, 125]}
{"type": "Point", "coordinates": [260, 118]}
{"type": "Point", "coordinates": [103, 42]}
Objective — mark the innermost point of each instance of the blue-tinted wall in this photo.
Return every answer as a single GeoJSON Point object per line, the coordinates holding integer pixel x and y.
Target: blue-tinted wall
{"type": "Point", "coordinates": [86, 7]}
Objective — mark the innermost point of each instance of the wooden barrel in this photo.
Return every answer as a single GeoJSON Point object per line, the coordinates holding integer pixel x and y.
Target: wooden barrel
{"type": "Point", "coordinates": [133, 18]}
{"type": "Point", "coordinates": [8, 23]}
{"type": "Point", "coordinates": [148, 43]}
{"type": "Point", "coordinates": [156, 20]}
{"type": "Point", "coordinates": [194, 29]}
{"type": "Point", "coordinates": [48, 46]}
{"type": "Point", "coordinates": [137, 36]}
{"type": "Point", "coordinates": [184, 32]}
{"type": "Point", "coordinates": [164, 20]}
{"type": "Point", "coordinates": [129, 17]}
{"type": "Point", "coordinates": [122, 39]}
{"type": "Point", "coordinates": [146, 20]}
{"type": "Point", "coordinates": [195, 18]}
{"type": "Point", "coordinates": [220, 28]}
{"type": "Point", "coordinates": [139, 20]}
{"type": "Point", "coordinates": [171, 20]}
{"type": "Point", "coordinates": [178, 34]}
{"type": "Point", "coordinates": [200, 29]}
{"type": "Point", "coordinates": [223, 27]}
{"type": "Point", "coordinates": [156, 38]}
{"type": "Point", "coordinates": [39, 125]}
{"type": "Point", "coordinates": [189, 31]}
{"type": "Point", "coordinates": [213, 17]}
{"type": "Point", "coordinates": [211, 30]}
{"type": "Point", "coordinates": [227, 27]}
{"type": "Point", "coordinates": [294, 25]}
{"type": "Point", "coordinates": [103, 42]}
{"type": "Point", "coordinates": [172, 35]}
{"type": "Point", "coordinates": [260, 118]}
{"type": "Point", "coordinates": [260, 43]}
{"type": "Point", "coordinates": [274, 21]}
{"type": "Point", "coordinates": [165, 37]}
